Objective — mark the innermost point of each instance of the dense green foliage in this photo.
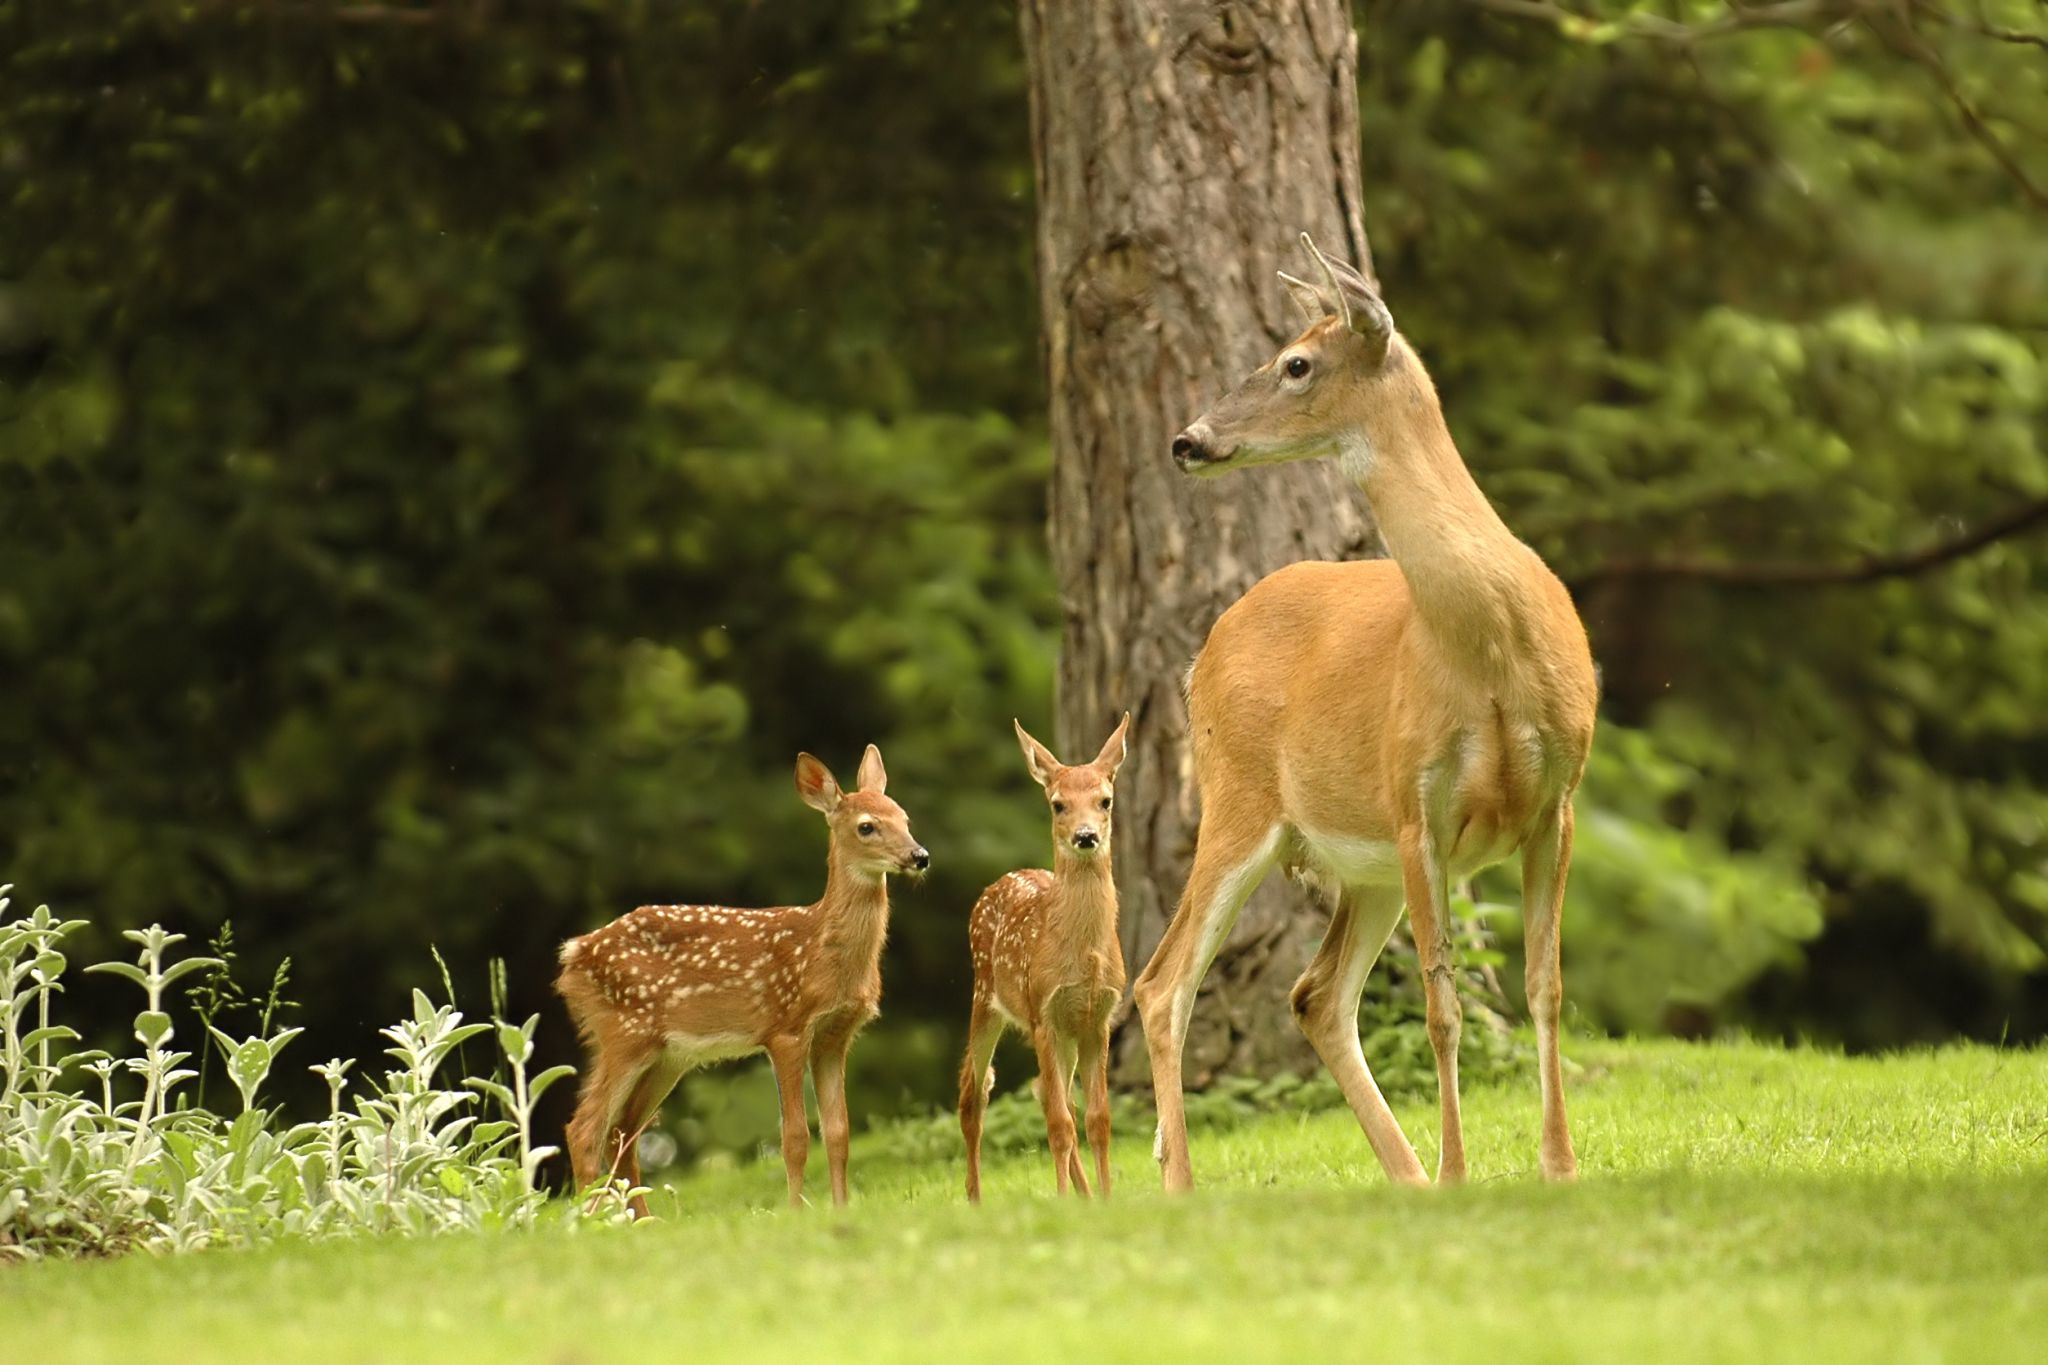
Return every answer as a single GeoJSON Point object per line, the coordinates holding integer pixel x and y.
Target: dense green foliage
{"type": "Point", "coordinates": [1739, 1204]}
{"type": "Point", "coordinates": [448, 469]}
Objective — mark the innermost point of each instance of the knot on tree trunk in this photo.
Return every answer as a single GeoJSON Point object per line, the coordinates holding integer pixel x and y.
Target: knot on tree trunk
{"type": "Point", "coordinates": [1228, 43]}
{"type": "Point", "coordinates": [1115, 280]}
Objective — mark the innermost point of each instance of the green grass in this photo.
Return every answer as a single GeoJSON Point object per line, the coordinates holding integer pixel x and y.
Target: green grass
{"type": "Point", "coordinates": [1737, 1203]}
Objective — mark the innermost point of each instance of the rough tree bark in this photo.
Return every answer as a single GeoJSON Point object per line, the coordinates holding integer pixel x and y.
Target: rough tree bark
{"type": "Point", "coordinates": [1180, 146]}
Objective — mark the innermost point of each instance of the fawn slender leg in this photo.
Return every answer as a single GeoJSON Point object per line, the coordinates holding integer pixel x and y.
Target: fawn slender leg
{"type": "Point", "coordinates": [828, 1066]}
{"type": "Point", "coordinates": [787, 1057]}
{"type": "Point", "coordinates": [1422, 874]}
{"type": "Point", "coordinates": [1059, 1111]}
{"type": "Point", "coordinates": [1325, 1002]}
{"type": "Point", "coordinates": [976, 1079]}
{"type": "Point", "coordinates": [593, 1145]}
{"type": "Point", "coordinates": [1230, 860]}
{"type": "Point", "coordinates": [1546, 859]}
{"type": "Point", "coordinates": [1095, 1084]}
{"type": "Point", "coordinates": [1070, 1060]}
{"type": "Point", "coordinates": [654, 1086]}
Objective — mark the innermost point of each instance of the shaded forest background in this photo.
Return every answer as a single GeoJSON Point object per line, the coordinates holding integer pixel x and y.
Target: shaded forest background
{"type": "Point", "coordinates": [452, 457]}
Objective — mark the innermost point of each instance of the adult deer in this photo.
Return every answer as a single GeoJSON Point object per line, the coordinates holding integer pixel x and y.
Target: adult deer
{"type": "Point", "coordinates": [668, 988]}
{"type": "Point", "coordinates": [1047, 962]}
{"type": "Point", "coordinates": [1384, 727]}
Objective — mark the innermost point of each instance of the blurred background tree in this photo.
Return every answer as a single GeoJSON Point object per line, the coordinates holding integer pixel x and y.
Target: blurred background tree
{"type": "Point", "coordinates": [453, 455]}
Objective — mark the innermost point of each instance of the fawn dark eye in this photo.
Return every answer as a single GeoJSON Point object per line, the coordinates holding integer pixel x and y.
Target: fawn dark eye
{"type": "Point", "coordinates": [1059, 808]}
{"type": "Point", "coordinates": [867, 829]}
{"type": "Point", "coordinates": [1297, 367]}
{"type": "Point", "coordinates": [1105, 803]}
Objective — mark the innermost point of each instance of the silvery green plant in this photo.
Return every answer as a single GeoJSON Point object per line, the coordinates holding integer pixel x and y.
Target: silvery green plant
{"type": "Point", "coordinates": [96, 1158]}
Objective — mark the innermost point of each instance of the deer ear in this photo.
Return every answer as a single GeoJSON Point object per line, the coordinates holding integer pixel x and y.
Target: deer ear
{"type": "Point", "coordinates": [1308, 298]}
{"type": "Point", "coordinates": [1369, 315]}
{"type": "Point", "coordinates": [1115, 748]}
{"type": "Point", "coordinates": [1037, 757]}
{"type": "Point", "coordinates": [872, 777]}
{"type": "Point", "coordinates": [816, 785]}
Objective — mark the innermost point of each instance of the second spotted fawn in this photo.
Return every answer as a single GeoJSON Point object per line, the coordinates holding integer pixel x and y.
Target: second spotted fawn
{"type": "Point", "coordinates": [671, 987]}
{"type": "Point", "coordinates": [1047, 962]}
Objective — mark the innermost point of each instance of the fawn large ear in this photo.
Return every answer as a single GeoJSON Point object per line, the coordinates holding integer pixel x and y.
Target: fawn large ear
{"type": "Point", "coordinates": [1037, 757]}
{"type": "Point", "coordinates": [1115, 748]}
{"type": "Point", "coordinates": [816, 785]}
{"type": "Point", "coordinates": [872, 777]}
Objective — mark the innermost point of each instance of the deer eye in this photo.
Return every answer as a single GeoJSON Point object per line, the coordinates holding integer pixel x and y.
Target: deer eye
{"type": "Point", "coordinates": [1297, 367]}
{"type": "Point", "coordinates": [866, 828]}
{"type": "Point", "coordinates": [1105, 803]}
{"type": "Point", "coordinates": [1059, 808]}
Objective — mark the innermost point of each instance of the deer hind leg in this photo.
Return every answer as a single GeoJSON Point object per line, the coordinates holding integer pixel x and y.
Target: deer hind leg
{"type": "Point", "coordinates": [977, 1078]}
{"type": "Point", "coordinates": [1325, 1003]}
{"type": "Point", "coordinates": [787, 1057]}
{"type": "Point", "coordinates": [1546, 859]}
{"type": "Point", "coordinates": [1059, 1110]}
{"type": "Point", "coordinates": [1230, 861]}
{"type": "Point", "coordinates": [1422, 873]}
{"type": "Point", "coordinates": [592, 1137]}
{"type": "Point", "coordinates": [642, 1105]}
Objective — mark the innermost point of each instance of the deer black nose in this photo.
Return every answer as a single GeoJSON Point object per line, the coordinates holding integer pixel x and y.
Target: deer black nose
{"type": "Point", "coordinates": [921, 860]}
{"type": "Point", "coordinates": [1086, 838]}
{"type": "Point", "coordinates": [1186, 448]}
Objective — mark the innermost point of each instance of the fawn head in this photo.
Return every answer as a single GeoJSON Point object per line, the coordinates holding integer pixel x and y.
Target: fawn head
{"type": "Point", "coordinates": [1081, 797]}
{"type": "Point", "coordinates": [1320, 394]}
{"type": "Point", "coordinates": [870, 833]}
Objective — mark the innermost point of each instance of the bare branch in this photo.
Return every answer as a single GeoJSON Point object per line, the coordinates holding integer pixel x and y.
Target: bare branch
{"type": "Point", "coordinates": [1902, 39]}
{"type": "Point", "coordinates": [1740, 18]}
{"type": "Point", "coordinates": [1890, 21]}
{"type": "Point", "coordinates": [1869, 569]}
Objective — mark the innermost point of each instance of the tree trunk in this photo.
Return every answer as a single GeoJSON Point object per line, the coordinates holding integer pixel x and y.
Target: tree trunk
{"type": "Point", "coordinates": [1180, 147]}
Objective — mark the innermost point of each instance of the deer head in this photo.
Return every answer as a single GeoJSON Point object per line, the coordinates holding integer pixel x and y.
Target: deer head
{"type": "Point", "coordinates": [1330, 391]}
{"type": "Point", "coordinates": [1081, 797]}
{"type": "Point", "coordinates": [870, 833]}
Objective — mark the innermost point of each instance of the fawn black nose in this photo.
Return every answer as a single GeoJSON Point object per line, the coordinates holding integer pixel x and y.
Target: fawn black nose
{"type": "Point", "coordinates": [1185, 448]}
{"type": "Point", "coordinates": [920, 860]}
{"type": "Point", "coordinates": [1086, 838]}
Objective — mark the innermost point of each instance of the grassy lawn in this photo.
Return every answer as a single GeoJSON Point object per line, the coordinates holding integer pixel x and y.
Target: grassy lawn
{"type": "Point", "coordinates": [1737, 1203]}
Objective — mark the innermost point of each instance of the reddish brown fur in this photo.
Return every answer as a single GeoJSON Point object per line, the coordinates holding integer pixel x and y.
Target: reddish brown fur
{"type": "Point", "coordinates": [669, 987]}
{"type": "Point", "coordinates": [1048, 963]}
{"type": "Point", "coordinates": [1385, 726]}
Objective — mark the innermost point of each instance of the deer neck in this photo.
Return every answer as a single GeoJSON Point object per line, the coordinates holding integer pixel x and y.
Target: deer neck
{"type": "Point", "coordinates": [1468, 577]}
{"type": "Point", "coordinates": [853, 914]}
{"type": "Point", "coordinates": [1084, 908]}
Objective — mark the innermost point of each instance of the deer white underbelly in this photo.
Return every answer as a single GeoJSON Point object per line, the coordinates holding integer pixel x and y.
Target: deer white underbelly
{"type": "Point", "coordinates": [688, 1051]}
{"type": "Point", "coordinates": [1346, 860]}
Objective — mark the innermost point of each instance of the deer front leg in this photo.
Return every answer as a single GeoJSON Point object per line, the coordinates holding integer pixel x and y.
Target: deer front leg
{"type": "Point", "coordinates": [1059, 1111]}
{"type": "Point", "coordinates": [1095, 1084]}
{"type": "Point", "coordinates": [1422, 875]}
{"type": "Point", "coordinates": [786, 1055]}
{"type": "Point", "coordinates": [828, 1065]}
